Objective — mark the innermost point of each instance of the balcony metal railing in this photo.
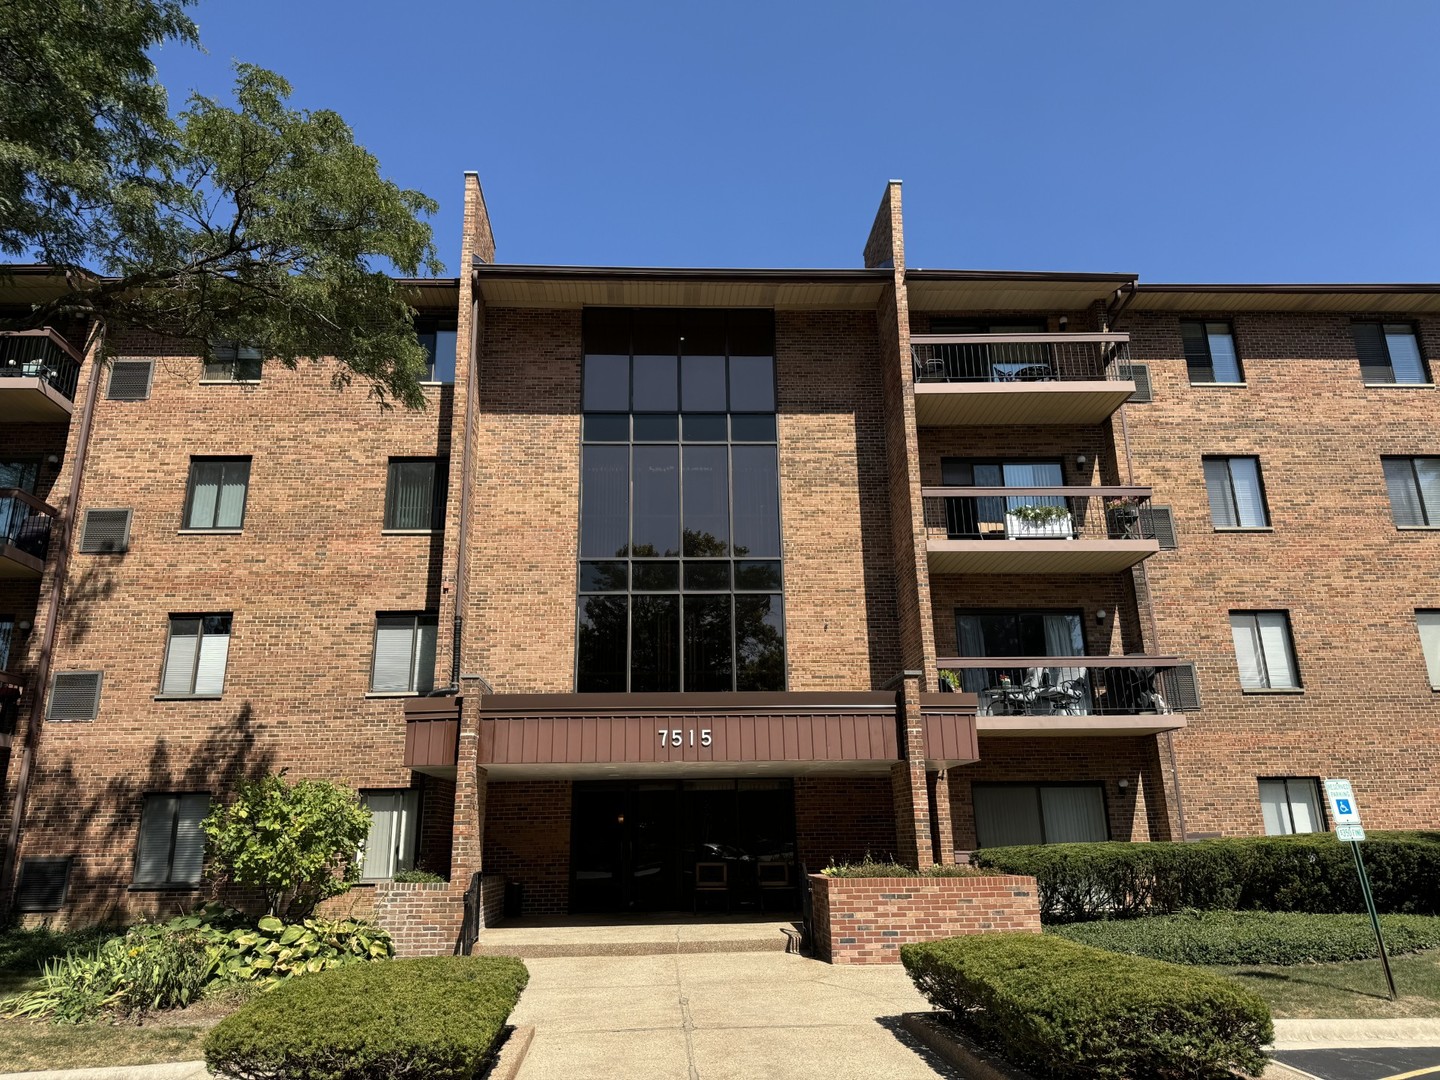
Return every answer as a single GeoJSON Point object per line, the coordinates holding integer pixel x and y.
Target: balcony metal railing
{"type": "Point", "coordinates": [40, 354]}
{"type": "Point", "coordinates": [1039, 513]}
{"type": "Point", "coordinates": [1067, 685]}
{"type": "Point", "coordinates": [1019, 358]}
{"type": "Point", "coordinates": [25, 522]}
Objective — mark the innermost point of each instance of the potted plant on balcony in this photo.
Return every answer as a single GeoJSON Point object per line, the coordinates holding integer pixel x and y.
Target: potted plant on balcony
{"type": "Point", "coordinates": [1038, 521]}
{"type": "Point", "coordinates": [1123, 517]}
{"type": "Point", "coordinates": [949, 681]}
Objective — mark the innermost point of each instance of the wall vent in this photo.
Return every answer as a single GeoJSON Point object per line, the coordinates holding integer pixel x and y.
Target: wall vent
{"type": "Point", "coordinates": [43, 884]}
{"type": "Point", "coordinates": [105, 532]}
{"type": "Point", "coordinates": [75, 695]}
{"type": "Point", "coordinates": [130, 380]}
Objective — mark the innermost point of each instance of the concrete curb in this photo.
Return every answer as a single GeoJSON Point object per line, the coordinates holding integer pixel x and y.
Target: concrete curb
{"type": "Point", "coordinates": [170, 1070]}
{"type": "Point", "coordinates": [958, 1052]}
{"type": "Point", "coordinates": [1323, 1034]}
{"type": "Point", "coordinates": [512, 1054]}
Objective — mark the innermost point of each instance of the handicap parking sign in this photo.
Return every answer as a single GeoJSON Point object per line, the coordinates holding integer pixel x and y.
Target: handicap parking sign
{"type": "Point", "coordinates": [1343, 808]}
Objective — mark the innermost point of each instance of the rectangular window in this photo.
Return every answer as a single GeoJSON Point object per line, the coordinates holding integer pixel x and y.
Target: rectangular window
{"type": "Point", "coordinates": [404, 654]}
{"type": "Point", "coordinates": [394, 820]}
{"type": "Point", "coordinates": [1291, 804]}
{"type": "Point", "coordinates": [1429, 625]}
{"type": "Point", "coordinates": [217, 494]}
{"type": "Point", "coordinates": [1389, 353]}
{"type": "Point", "coordinates": [1009, 814]}
{"type": "Point", "coordinates": [233, 361]}
{"type": "Point", "coordinates": [1237, 497]}
{"type": "Point", "coordinates": [1210, 352]}
{"type": "Point", "coordinates": [679, 579]}
{"type": "Point", "coordinates": [437, 338]}
{"type": "Point", "coordinates": [415, 490]}
{"type": "Point", "coordinates": [195, 656]}
{"type": "Point", "coordinates": [171, 848]}
{"type": "Point", "coordinates": [1264, 651]}
{"type": "Point", "coordinates": [1414, 485]}
{"type": "Point", "coordinates": [7, 632]}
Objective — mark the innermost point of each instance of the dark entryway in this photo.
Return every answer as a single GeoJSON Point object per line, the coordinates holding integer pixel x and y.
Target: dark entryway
{"type": "Point", "coordinates": [643, 846]}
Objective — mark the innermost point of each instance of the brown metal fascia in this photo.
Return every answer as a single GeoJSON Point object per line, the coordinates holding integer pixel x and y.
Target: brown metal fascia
{"type": "Point", "coordinates": [1315, 288]}
{"type": "Point", "coordinates": [654, 273]}
{"type": "Point", "coordinates": [727, 703]}
{"type": "Point", "coordinates": [1014, 275]}
{"type": "Point", "coordinates": [52, 624]}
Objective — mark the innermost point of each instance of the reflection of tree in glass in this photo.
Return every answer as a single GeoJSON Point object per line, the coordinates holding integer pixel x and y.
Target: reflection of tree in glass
{"type": "Point", "coordinates": [704, 545]}
{"type": "Point", "coordinates": [603, 632]}
{"type": "Point", "coordinates": [759, 644]}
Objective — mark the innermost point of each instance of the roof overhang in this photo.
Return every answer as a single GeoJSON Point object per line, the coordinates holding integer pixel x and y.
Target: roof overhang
{"type": "Point", "coordinates": [1401, 299]}
{"type": "Point", "coordinates": [429, 293]}
{"type": "Point", "coordinates": [996, 290]}
{"type": "Point", "coordinates": [577, 286]}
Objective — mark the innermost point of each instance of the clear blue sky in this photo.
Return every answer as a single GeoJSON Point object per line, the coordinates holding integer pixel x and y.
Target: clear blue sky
{"type": "Point", "coordinates": [1200, 141]}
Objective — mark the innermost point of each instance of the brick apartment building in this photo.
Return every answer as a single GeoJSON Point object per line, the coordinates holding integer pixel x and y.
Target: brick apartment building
{"type": "Point", "coordinates": [688, 581]}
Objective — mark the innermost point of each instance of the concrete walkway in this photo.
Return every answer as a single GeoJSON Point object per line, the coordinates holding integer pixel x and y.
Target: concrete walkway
{"type": "Point", "coordinates": [719, 1016]}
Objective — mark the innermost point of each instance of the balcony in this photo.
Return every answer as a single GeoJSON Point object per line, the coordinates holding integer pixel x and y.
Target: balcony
{"type": "Point", "coordinates": [38, 373]}
{"type": "Point", "coordinates": [25, 523]}
{"type": "Point", "coordinates": [1037, 530]}
{"type": "Point", "coordinates": [1075, 695]}
{"type": "Point", "coordinates": [1013, 379]}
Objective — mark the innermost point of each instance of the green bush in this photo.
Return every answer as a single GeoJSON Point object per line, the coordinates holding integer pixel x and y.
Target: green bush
{"type": "Point", "coordinates": [1068, 1010]}
{"type": "Point", "coordinates": [868, 868]}
{"type": "Point", "coordinates": [435, 1018]}
{"type": "Point", "coordinates": [427, 877]}
{"type": "Point", "coordinates": [297, 843]}
{"type": "Point", "coordinates": [269, 950]}
{"type": "Point", "coordinates": [1254, 937]}
{"type": "Point", "coordinates": [1312, 873]}
{"type": "Point", "coordinates": [148, 967]}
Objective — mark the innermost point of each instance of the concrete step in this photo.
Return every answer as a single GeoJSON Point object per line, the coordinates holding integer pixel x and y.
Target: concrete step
{"type": "Point", "coordinates": [583, 935]}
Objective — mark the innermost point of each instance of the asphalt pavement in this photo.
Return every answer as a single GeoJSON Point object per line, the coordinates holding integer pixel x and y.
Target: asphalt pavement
{"type": "Point", "coordinates": [1367, 1063]}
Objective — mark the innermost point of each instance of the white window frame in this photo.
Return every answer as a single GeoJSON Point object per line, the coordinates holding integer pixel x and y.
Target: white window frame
{"type": "Point", "coordinates": [198, 682]}
{"type": "Point", "coordinates": [1265, 630]}
{"type": "Point", "coordinates": [177, 808]}
{"type": "Point", "coordinates": [1314, 805]}
{"type": "Point", "coordinates": [395, 817]}
{"type": "Point", "coordinates": [421, 665]}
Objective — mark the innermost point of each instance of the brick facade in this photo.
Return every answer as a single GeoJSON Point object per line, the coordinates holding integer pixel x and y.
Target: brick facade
{"type": "Point", "coordinates": [866, 920]}
{"type": "Point", "coordinates": [312, 566]}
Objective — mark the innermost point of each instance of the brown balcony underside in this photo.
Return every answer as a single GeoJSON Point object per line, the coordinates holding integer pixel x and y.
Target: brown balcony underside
{"type": "Point", "coordinates": [32, 400]}
{"type": "Point", "coordinates": [997, 404]}
{"type": "Point", "coordinates": [1037, 556]}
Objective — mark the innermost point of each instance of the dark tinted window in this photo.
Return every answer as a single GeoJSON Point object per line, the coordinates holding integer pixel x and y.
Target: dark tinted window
{"type": "Point", "coordinates": [656, 486]}
{"type": "Point", "coordinates": [605, 501]}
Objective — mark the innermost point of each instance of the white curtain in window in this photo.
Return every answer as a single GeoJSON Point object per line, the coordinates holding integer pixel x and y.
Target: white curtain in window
{"type": "Point", "coordinates": [189, 855]}
{"type": "Point", "coordinates": [204, 495]}
{"type": "Point", "coordinates": [1247, 650]}
{"type": "Point", "coordinates": [1304, 805]}
{"type": "Point", "coordinates": [1249, 502]}
{"type": "Point", "coordinates": [1429, 624]}
{"type": "Point", "coordinates": [1404, 354]}
{"type": "Point", "coordinates": [210, 665]}
{"type": "Point", "coordinates": [1427, 474]}
{"type": "Point", "coordinates": [1222, 500]}
{"type": "Point", "coordinates": [231, 510]}
{"type": "Point", "coordinates": [180, 655]}
{"type": "Point", "coordinates": [1006, 815]}
{"type": "Point", "coordinates": [1064, 637]}
{"type": "Point", "coordinates": [395, 654]}
{"type": "Point", "coordinates": [1275, 641]}
{"type": "Point", "coordinates": [390, 847]}
{"type": "Point", "coordinates": [1274, 809]}
{"type": "Point", "coordinates": [1074, 814]}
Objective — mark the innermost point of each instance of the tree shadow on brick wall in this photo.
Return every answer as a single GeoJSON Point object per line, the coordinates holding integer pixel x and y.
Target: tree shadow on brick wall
{"type": "Point", "coordinates": [86, 591]}
{"type": "Point", "coordinates": [96, 818]}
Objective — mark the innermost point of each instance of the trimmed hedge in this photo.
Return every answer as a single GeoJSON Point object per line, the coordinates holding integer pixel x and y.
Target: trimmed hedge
{"type": "Point", "coordinates": [1254, 937]}
{"type": "Point", "coordinates": [1312, 873]}
{"type": "Point", "coordinates": [873, 868]}
{"type": "Point", "coordinates": [435, 1018]}
{"type": "Point", "coordinates": [1068, 1010]}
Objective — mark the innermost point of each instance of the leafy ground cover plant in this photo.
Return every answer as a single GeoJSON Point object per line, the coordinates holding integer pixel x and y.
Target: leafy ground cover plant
{"type": "Point", "coordinates": [436, 1018]}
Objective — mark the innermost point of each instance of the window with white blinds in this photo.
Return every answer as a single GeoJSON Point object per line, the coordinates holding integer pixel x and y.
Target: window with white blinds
{"type": "Point", "coordinates": [1414, 486]}
{"type": "Point", "coordinates": [415, 494]}
{"type": "Point", "coordinates": [1210, 352]}
{"type": "Point", "coordinates": [404, 654]}
{"type": "Point", "coordinates": [195, 655]}
{"type": "Point", "coordinates": [1237, 496]}
{"type": "Point", "coordinates": [1429, 625]}
{"type": "Point", "coordinates": [1291, 804]}
{"type": "Point", "coordinates": [233, 361]}
{"type": "Point", "coordinates": [1010, 814]}
{"type": "Point", "coordinates": [217, 495]}
{"type": "Point", "coordinates": [171, 849]}
{"type": "Point", "coordinates": [1389, 353]}
{"type": "Point", "coordinates": [1263, 650]}
{"type": "Point", "coordinates": [390, 847]}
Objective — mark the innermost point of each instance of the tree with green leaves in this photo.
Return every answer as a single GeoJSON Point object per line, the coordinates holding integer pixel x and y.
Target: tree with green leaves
{"type": "Point", "coordinates": [253, 221]}
{"type": "Point", "coordinates": [297, 843]}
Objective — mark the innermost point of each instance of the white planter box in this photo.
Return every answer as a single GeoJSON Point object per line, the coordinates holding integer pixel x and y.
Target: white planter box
{"type": "Point", "coordinates": [1018, 528]}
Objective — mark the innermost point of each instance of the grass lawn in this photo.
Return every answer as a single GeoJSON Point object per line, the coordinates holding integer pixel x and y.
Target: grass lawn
{"type": "Point", "coordinates": [1350, 990]}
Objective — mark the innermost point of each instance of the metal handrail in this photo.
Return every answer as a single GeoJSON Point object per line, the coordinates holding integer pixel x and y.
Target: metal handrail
{"type": "Point", "coordinates": [1019, 358]}
{"type": "Point", "coordinates": [1068, 685]}
{"type": "Point", "coordinates": [1039, 513]}
{"type": "Point", "coordinates": [25, 521]}
{"type": "Point", "coordinates": [43, 354]}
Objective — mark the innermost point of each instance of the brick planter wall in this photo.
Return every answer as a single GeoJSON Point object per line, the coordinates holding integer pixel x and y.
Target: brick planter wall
{"type": "Point", "coordinates": [866, 920]}
{"type": "Point", "coordinates": [422, 918]}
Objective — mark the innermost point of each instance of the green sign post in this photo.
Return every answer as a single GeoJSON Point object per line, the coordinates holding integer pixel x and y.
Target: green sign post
{"type": "Point", "coordinates": [1345, 815]}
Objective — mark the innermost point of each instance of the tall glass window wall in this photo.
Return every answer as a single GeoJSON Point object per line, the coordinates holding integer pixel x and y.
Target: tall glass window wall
{"type": "Point", "coordinates": [679, 577]}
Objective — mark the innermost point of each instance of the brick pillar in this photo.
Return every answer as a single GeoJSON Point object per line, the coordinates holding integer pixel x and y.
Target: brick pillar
{"type": "Point", "coordinates": [468, 833]}
{"type": "Point", "coordinates": [908, 785]}
{"type": "Point", "coordinates": [942, 832]}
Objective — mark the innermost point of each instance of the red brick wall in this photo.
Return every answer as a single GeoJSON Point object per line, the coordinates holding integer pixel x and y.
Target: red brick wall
{"type": "Point", "coordinates": [1335, 560]}
{"type": "Point", "coordinates": [527, 839]}
{"type": "Point", "coordinates": [842, 819]}
{"type": "Point", "coordinates": [422, 919]}
{"type": "Point", "coordinates": [866, 920]}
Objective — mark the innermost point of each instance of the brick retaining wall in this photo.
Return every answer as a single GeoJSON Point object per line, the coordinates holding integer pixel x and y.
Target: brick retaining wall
{"type": "Point", "coordinates": [422, 918]}
{"type": "Point", "coordinates": [866, 920]}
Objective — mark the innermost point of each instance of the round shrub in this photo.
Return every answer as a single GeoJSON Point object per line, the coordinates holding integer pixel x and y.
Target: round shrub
{"type": "Point", "coordinates": [1255, 937]}
{"type": "Point", "coordinates": [435, 1018]}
